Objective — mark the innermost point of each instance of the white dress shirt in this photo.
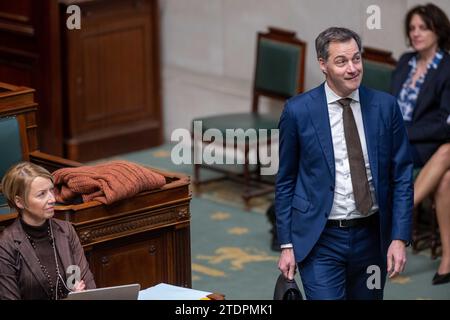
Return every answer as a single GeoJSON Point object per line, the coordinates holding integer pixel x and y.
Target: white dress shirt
{"type": "Point", "coordinates": [344, 202]}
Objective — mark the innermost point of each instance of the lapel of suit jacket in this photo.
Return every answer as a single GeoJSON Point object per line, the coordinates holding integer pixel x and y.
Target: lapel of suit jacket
{"type": "Point", "coordinates": [62, 247]}
{"type": "Point", "coordinates": [321, 123]}
{"type": "Point", "coordinates": [369, 111]}
{"type": "Point", "coordinates": [429, 79]}
{"type": "Point", "coordinates": [401, 78]}
{"type": "Point", "coordinates": [29, 256]}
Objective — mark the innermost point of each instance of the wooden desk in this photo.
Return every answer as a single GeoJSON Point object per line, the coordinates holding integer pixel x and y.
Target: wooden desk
{"type": "Point", "coordinates": [144, 241]}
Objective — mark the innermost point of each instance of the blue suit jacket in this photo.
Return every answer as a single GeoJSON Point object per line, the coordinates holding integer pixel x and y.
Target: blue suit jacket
{"type": "Point", "coordinates": [428, 128]}
{"type": "Point", "coordinates": [306, 177]}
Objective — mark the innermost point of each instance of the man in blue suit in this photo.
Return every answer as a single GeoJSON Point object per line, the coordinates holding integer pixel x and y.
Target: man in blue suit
{"type": "Point", "coordinates": [344, 191]}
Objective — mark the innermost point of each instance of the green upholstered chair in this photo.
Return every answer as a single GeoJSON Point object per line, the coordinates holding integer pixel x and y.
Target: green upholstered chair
{"type": "Point", "coordinates": [11, 150]}
{"type": "Point", "coordinates": [279, 74]}
{"type": "Point", "coordinates": [18, 134]}
{"type": "Point", "coordinates": [378, 67]}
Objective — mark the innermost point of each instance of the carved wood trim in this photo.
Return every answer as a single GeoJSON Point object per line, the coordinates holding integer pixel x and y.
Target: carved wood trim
{"type": "Point", "coordinates": [133, 224]}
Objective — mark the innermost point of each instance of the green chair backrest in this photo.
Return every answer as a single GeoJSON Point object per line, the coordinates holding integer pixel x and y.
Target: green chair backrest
{"type": "Point", "coordinates": [377, 75]}
{"type": "Point", "coordinates": [4, 208]}
{"type": "Point", "coordinates": [277, 67]}
{"type": "Point", "coordinates": [10, 146]}
{"type": "Point", "coordinates": [416, 173]}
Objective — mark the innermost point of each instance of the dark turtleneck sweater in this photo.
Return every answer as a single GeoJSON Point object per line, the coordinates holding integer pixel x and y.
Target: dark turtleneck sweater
{"type": "Point", "coordinates": [41, 239]}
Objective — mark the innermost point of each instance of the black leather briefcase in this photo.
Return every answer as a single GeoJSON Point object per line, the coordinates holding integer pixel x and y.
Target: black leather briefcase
{"type": "Point", "coordinates": [286, 289]}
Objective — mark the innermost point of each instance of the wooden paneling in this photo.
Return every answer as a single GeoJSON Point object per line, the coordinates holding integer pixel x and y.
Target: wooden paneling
{"type": "Point", "coordinates": [16, 73]}
{"type": "Point", "coordinates": [98, 88]}
{"type": "Point", "coordinates": [122, 259]}
{"type": "Point", "coordinates": [104, 78]}
{"type": "Point", "coordinates": [30, 56]}
{"type": "Point", "coordinates": [16, 17]}
{"type": "Point", "coordinates": [112, 79]}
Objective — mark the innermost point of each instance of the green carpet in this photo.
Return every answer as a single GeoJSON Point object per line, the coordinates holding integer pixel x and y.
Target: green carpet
{"type": "Point", "coordinates": [231, 247]}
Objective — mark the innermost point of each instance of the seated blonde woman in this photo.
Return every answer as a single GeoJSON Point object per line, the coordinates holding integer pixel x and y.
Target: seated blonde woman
{"type": "Point", "coordinates": [435, 177]}
{"type": "Point", "coordinates": [37, 250]}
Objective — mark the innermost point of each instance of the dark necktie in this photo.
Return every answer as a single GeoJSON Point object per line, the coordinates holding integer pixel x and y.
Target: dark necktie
{"type": "Point", "coordinates": [361, 190]}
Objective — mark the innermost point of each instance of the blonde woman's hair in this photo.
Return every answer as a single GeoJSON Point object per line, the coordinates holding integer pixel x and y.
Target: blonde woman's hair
{"type": "Point", "coordinates": [17, 181]}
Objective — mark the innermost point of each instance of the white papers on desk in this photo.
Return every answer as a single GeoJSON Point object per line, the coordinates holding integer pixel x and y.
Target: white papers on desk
{"type": "Point", "coordinates": [165, 291]}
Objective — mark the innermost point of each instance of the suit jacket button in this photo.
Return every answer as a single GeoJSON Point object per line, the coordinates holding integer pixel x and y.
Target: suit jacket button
{"type": "Point", "coordinates": [331, 188]}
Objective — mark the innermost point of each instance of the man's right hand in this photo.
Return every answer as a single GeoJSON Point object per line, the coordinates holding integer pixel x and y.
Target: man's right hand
{"type": "Point", "coordinates": [286, 264]}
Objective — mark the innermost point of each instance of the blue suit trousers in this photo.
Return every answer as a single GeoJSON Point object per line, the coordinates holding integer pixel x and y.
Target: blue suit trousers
{"type": "Point", "coordinates": [345, 264]}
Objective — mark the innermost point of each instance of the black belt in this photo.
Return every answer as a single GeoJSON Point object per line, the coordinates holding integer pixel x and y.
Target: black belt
{"type": "Point", "coordinates": [349, 223]}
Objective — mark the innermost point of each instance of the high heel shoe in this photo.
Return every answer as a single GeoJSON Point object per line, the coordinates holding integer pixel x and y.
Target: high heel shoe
{"type": "Point", "coordinates": [441, 278]}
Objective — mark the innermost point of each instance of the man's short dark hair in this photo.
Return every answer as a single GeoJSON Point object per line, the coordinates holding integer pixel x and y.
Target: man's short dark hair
{"type": "Point", "coordinates": [334, 34]}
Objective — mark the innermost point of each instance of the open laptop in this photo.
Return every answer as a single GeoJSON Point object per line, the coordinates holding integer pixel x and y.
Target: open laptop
{"type": "Point", "coordinates": [125, 292]}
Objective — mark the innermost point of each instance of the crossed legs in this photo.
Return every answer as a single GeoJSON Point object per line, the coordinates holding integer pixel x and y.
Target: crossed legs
{"type": "Point", "coordinates": [435, 177]}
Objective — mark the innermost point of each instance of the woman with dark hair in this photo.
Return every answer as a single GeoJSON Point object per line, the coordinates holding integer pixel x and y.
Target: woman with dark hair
{"type": "Point", "coordinates": [421, 83]}
{"type": "Point", "coordinates": [36, 249]}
